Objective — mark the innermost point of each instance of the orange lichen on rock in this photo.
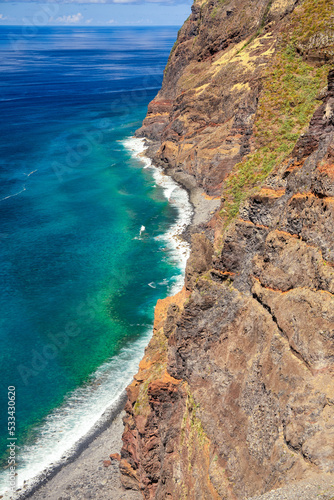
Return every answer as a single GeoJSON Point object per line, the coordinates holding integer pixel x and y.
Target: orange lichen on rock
{"type": "Point", "coordinates": [160, 312]}
{"type": "Point", "coordinates": [327, 169]}
{"type": "Point", "coordinates": [166, 382]}
{"type": "Point", "coordinates": [271, 193]}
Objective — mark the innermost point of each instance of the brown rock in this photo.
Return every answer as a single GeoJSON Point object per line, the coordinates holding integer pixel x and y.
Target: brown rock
{"type": "Point", "coordinates": [235, 394]}
{"type": "Point", "coordinates": [128, 475]}
{"type": "Point", "coordinates": [200, 259]}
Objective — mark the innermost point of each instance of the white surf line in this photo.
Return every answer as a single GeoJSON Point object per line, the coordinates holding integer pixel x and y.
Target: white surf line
{"type": "Point", "coordinates": [65, 426]}
{"type": "Point", "coordinates": [178, 249]}
{"type": "Point", "coordinates": [84, 407]}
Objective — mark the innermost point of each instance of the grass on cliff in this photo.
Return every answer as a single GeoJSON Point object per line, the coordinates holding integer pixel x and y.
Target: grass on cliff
{"type": "Point", "coordinates": [287, 103]}
{"type": "Point", "coordinates": [216, 9]}
{"type": "Point", "coordinates": [193, 436]}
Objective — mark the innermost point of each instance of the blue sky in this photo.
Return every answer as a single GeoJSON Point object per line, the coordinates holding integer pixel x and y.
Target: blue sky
{"type": "Point", "coordinates": [94, 12]}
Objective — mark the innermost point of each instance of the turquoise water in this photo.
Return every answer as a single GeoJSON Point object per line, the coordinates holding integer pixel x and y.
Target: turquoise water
{"type": "Point", "coordinates": [79, 274]}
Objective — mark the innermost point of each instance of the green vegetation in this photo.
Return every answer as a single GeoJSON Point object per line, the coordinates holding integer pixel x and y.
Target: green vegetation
{"type": "Point", "coordinates": [317, 17]}
{"type": "Point", "coordinates": [214, 12]}
{"type": "Point", "coordinates": [287, 102]}
{"type": "Point", "coordinates": [216, 9]}
{"type": "Point", "coordinates": [192, 423]}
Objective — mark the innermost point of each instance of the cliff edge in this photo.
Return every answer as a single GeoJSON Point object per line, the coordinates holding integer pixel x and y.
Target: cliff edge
{"type": "Point", "coordinates": [235, 395]}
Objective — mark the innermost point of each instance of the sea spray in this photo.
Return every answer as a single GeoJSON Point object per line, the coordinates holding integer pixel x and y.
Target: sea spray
{"type": "Point", "coordinates": [67, 425]}
{"type": "Point", "coordinates": [178, 248]}
{"type": "Point", "coordinates": [69, 253]}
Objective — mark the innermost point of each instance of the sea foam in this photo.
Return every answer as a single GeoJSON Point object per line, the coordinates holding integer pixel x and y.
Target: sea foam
{"type": "Point", "coordinates": [178, 250]}
{"type": "Point", "coordinates": [66, 426]}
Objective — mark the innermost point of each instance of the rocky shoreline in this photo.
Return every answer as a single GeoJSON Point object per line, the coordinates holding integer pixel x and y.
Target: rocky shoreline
{"type": "Point", "coordinates": [92, 474]}
{"type": "Point", "coordinates": [104, 438]}
{"type": "Point", "coordinates": [234, 396]}
{"type": "Point", "coordinates": [204, 206]}
{"type": "Point", "coordinates": [83, 472]}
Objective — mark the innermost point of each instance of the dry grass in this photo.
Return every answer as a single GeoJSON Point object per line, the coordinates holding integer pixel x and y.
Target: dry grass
{"type": "Point", "coordinates": [287, 103]}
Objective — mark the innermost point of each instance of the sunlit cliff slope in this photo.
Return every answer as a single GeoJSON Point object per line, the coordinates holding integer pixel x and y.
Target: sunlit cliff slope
{"type": "Point", "coordinates": [235, 394]}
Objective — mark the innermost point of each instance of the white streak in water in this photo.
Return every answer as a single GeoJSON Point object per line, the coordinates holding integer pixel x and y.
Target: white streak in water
{"type": "Point", "coordinates": [22, 190]}
{"type": "Point", "coordinates": [30, 173]}
{"type": "Point", "coordinates": [178, 250]}
{"type": "Point", "coordinates": [15, 194]}
{"type": "Point", "coordinates": [66, 425]}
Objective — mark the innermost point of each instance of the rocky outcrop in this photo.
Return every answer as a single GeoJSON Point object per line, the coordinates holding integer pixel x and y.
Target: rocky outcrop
{"type": "Point", "coordinates": [203, 117]}
{"type": "Point", "coordinates": [235, 395]}
{"type": "Point", "coordinates": [256, 343]}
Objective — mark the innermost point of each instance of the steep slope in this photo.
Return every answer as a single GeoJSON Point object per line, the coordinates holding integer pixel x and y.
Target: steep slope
{"type": "Point", "coordinates": [203, 117]}
{"type": "Point", "coordinates": [235, 394]}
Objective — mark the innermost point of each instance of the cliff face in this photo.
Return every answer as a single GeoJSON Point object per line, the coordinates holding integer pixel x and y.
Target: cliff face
{"type": "Point", "coordinates": [203, 118]}
{"type": "Point", "coordinates": [235, 395]}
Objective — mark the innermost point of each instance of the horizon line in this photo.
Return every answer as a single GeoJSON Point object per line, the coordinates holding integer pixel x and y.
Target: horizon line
{"type": "Point", "coordinates": [91, 25]}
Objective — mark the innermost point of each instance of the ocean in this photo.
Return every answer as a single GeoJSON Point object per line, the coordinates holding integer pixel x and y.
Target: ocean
{"type": "Point", "coordinates": [87, 229]}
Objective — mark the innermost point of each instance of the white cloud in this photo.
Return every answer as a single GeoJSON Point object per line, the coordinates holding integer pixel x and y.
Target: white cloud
{"type": "Point", "coordinates": [111, 21]}
{"type": "Point", "coordinates": [72, 19]}
{"type": "Point", "coordinates": [2, 17]}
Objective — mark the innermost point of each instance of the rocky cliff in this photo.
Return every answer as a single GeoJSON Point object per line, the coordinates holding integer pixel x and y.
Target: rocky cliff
{"type": "Point", "coordinates": [235, 394]}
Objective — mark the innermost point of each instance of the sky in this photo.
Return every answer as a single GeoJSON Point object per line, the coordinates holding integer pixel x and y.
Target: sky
{"type": "Point", "coordinates": [94, 12]}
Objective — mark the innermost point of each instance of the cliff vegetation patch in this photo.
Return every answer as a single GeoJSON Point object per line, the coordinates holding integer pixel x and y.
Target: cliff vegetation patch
{"type": "Point", "coordinates": [287, 102]}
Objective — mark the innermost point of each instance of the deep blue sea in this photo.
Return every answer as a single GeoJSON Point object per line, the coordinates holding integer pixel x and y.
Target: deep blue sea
{"type": "Point", "coordinates": [86, 244]}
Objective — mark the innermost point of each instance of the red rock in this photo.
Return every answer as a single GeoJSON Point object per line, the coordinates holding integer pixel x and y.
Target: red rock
{"type": "Point", "coordinates": [129, 476]}
{"type": "Point", "coordinates": [240, 401]}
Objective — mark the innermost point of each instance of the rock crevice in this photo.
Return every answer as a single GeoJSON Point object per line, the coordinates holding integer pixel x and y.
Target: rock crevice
{"type": "Point", "coordinates": [234, 397]}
